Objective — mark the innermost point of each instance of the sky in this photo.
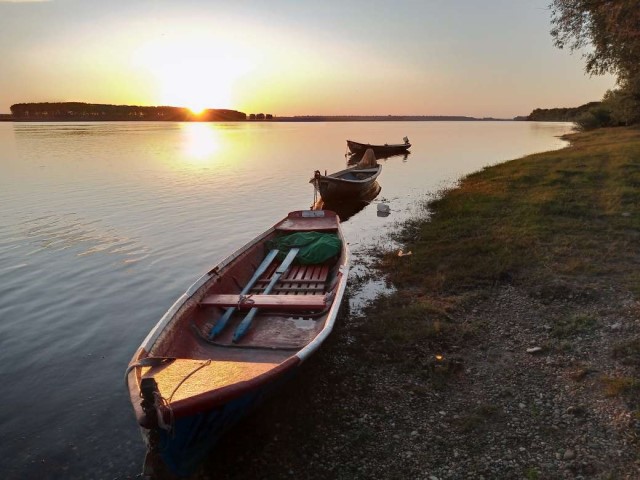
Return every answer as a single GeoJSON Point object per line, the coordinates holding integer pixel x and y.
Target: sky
{"type": "Point", "coordinates": [482, 58]}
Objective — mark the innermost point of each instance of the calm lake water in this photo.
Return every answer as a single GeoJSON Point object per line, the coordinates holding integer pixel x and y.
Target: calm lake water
{"type": "Point", "coordinates": [104, 225]}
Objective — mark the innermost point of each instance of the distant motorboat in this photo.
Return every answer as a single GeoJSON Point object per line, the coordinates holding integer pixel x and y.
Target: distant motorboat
{"type": "Point", "coordinates": [379, 150]}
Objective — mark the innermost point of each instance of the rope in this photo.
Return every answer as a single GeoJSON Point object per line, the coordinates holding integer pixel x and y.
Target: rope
{"type": "Point", "coordinates": [245, 299]}
{"type": "Point", "coordinates": [204, 364]}
{"type": "Point", "coordinates": [160, 400]}
{"type": "Point", "coordinates": [315, 191]}
{"type": "Point", "coordinates": [147, 362]}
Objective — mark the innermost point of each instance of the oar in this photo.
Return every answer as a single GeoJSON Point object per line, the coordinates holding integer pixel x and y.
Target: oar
{"type": "Point", "coordinates": [220, 324]}
{"type": "Point", "coordinates": [246, 322]}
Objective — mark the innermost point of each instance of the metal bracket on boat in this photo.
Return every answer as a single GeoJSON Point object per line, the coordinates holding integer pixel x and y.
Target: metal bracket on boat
{"type": "Point", "coordinates": [151, 406]}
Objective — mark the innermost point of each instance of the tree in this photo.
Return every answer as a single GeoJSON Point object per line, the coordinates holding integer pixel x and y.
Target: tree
{"type": "Point", "coordinates": [610, 30]}
{"type": "Point", "coordinates": [610, 27]}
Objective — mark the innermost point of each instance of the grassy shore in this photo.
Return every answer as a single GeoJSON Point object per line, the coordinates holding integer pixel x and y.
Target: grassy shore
{"type": "Point", "coordinates": [510, 348]}
{"type": "Point", "coordinates": [565, 222]}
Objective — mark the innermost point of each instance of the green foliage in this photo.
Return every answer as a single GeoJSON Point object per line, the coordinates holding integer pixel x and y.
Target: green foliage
{"type": "Point", "coordinates": [560, 114]}
{"type": "Point", "coordinates": [595, 118]}
{"type": "Point", "coordinates": [609, 27]}
{"type": "Point", "coordinates": [531, 473]}
{"type": "Point", "coordinates": [610, 31]}
{"type": "Point", "coordinates": [57, 111]}
{"type": "Point", "coordinates": [623, 105]}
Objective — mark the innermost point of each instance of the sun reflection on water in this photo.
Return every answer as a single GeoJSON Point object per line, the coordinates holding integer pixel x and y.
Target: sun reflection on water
{"type": "Point", "coordinates": [201, 142]}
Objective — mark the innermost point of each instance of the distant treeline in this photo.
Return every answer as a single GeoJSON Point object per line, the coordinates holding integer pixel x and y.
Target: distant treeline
{"type": "Point", "coordinates": [561, 114]}
{"type": "Point", "coordinates": [98, 112]}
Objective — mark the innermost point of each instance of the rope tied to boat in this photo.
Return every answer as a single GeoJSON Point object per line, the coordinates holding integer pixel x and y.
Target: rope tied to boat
{"type": "Point", "coordinates": [162, 402]}
{"type": "Point", "coordinates": [245, 300]}
{"type": "Point", "coordinates": [147, 362]}
{"type": "Point", "coordinates": [162, 405]}
{"type": "Point", "coordinates": [202, 365]}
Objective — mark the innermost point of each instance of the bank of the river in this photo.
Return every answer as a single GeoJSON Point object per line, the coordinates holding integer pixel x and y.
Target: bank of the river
{"type": "Point", "coordinates": [511, 348]}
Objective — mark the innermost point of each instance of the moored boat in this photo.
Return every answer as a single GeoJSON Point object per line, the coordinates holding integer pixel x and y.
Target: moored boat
{"type": "Point", "coordinates": [350, 183]}
{"type": "Point", "coordinates": [379, 150]}
{"type": "Point", "coordinates": [347, 208]}
{"type": "Point", "coordinates": [235, 335]}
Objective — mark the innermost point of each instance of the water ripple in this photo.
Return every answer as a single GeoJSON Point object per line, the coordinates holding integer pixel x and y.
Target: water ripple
{"type": "Point", "coordinates": [88, 237]}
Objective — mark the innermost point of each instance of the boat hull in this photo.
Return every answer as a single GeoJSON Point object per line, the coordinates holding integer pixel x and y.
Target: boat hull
{"type": "Point", "coordinates": [349, 184]}
{"type": "Point", "coordinates": [332, 190]}
{"type": "Point", "coordinates": [347, 208]}
{"type": "Point", "coordinates": [192, 438]}
{"type": "Point", "coordinates": [379, 150]}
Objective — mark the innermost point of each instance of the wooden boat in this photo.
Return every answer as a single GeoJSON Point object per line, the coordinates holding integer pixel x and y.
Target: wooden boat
{"type": "Point", "coordinates": [354, 182]}
{"type": "Point", "coordinates": [379, 150]}
{"type": "Point", "coordinates": [234, 336]}
{"type": "Point", "coordinates": [347, 208]}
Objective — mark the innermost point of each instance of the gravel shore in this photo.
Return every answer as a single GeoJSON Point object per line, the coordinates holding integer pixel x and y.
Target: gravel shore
{"type": "Point", "coordinates": [522, 400]}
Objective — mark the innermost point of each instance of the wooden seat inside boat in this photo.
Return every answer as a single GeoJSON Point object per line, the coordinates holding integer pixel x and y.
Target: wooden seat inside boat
{"type": "Point", "coordinates": [282, 294]}
{"type": "Point", "coordinates": [298, 280]}
{"type": "Point", "coordinates": [267, 302]}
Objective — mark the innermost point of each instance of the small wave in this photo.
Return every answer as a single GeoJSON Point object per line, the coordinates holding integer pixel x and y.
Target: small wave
{"type": "Point", "coordinates": [88, 237]}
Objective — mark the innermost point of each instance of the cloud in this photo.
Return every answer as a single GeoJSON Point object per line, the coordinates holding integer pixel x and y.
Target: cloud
{"type": "Point", "coordinates": [24, 1]}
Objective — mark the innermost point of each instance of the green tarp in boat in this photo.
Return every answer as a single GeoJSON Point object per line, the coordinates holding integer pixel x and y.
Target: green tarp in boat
{"type": "Point", "coordinates": [315, 247]}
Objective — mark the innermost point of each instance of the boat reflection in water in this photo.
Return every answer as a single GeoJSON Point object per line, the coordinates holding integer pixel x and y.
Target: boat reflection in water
{"type": "Point", "coordinates": [353, 158]}
{"type": "Point", "coordinates": [347, 208]}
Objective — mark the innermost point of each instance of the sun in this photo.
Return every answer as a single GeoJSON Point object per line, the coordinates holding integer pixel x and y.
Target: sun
{"type": "Point", "coordinates": [196, 109]}
{"type": "Point", "coordinates": [194, 72]}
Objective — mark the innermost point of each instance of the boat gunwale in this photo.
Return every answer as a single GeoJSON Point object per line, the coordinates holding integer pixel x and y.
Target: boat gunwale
{"type": "Point", "coordinates": [333, 177]}
{"type": "Point", "coordinates": [359, 145]}
{"type": "Point", "coordinates": [149, 342]}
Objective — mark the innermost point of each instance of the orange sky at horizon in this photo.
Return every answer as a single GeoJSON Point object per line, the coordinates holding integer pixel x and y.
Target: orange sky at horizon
{"type": "Point", "coordinates": [444, 60]}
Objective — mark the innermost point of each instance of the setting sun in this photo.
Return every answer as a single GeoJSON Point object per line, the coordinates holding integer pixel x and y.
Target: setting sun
{"type": "Point", "coordinates": [196, 109]}
{"type": "Point", "coordinates": [195, 71]}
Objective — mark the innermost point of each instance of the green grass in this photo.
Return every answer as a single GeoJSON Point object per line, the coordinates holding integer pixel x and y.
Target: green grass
{"type": "Point", "coordinates": [577, 208]}
{"type": "Point", "coordinates": [620, 386]}
{"type": "Point", "coordinates": [574, 325]}
{"type": "Point", "coordinates": [566, 222]}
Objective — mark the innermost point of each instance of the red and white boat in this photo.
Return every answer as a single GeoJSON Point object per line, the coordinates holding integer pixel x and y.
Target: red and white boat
{"type": "Point", "coordinates": [235, 335]}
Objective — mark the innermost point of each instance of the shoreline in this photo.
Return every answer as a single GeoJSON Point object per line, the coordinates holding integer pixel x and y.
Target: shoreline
{"type": "Point", "coordinates": [284, 120]}
{"type": "Point", "coordinates": [510, 348]}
